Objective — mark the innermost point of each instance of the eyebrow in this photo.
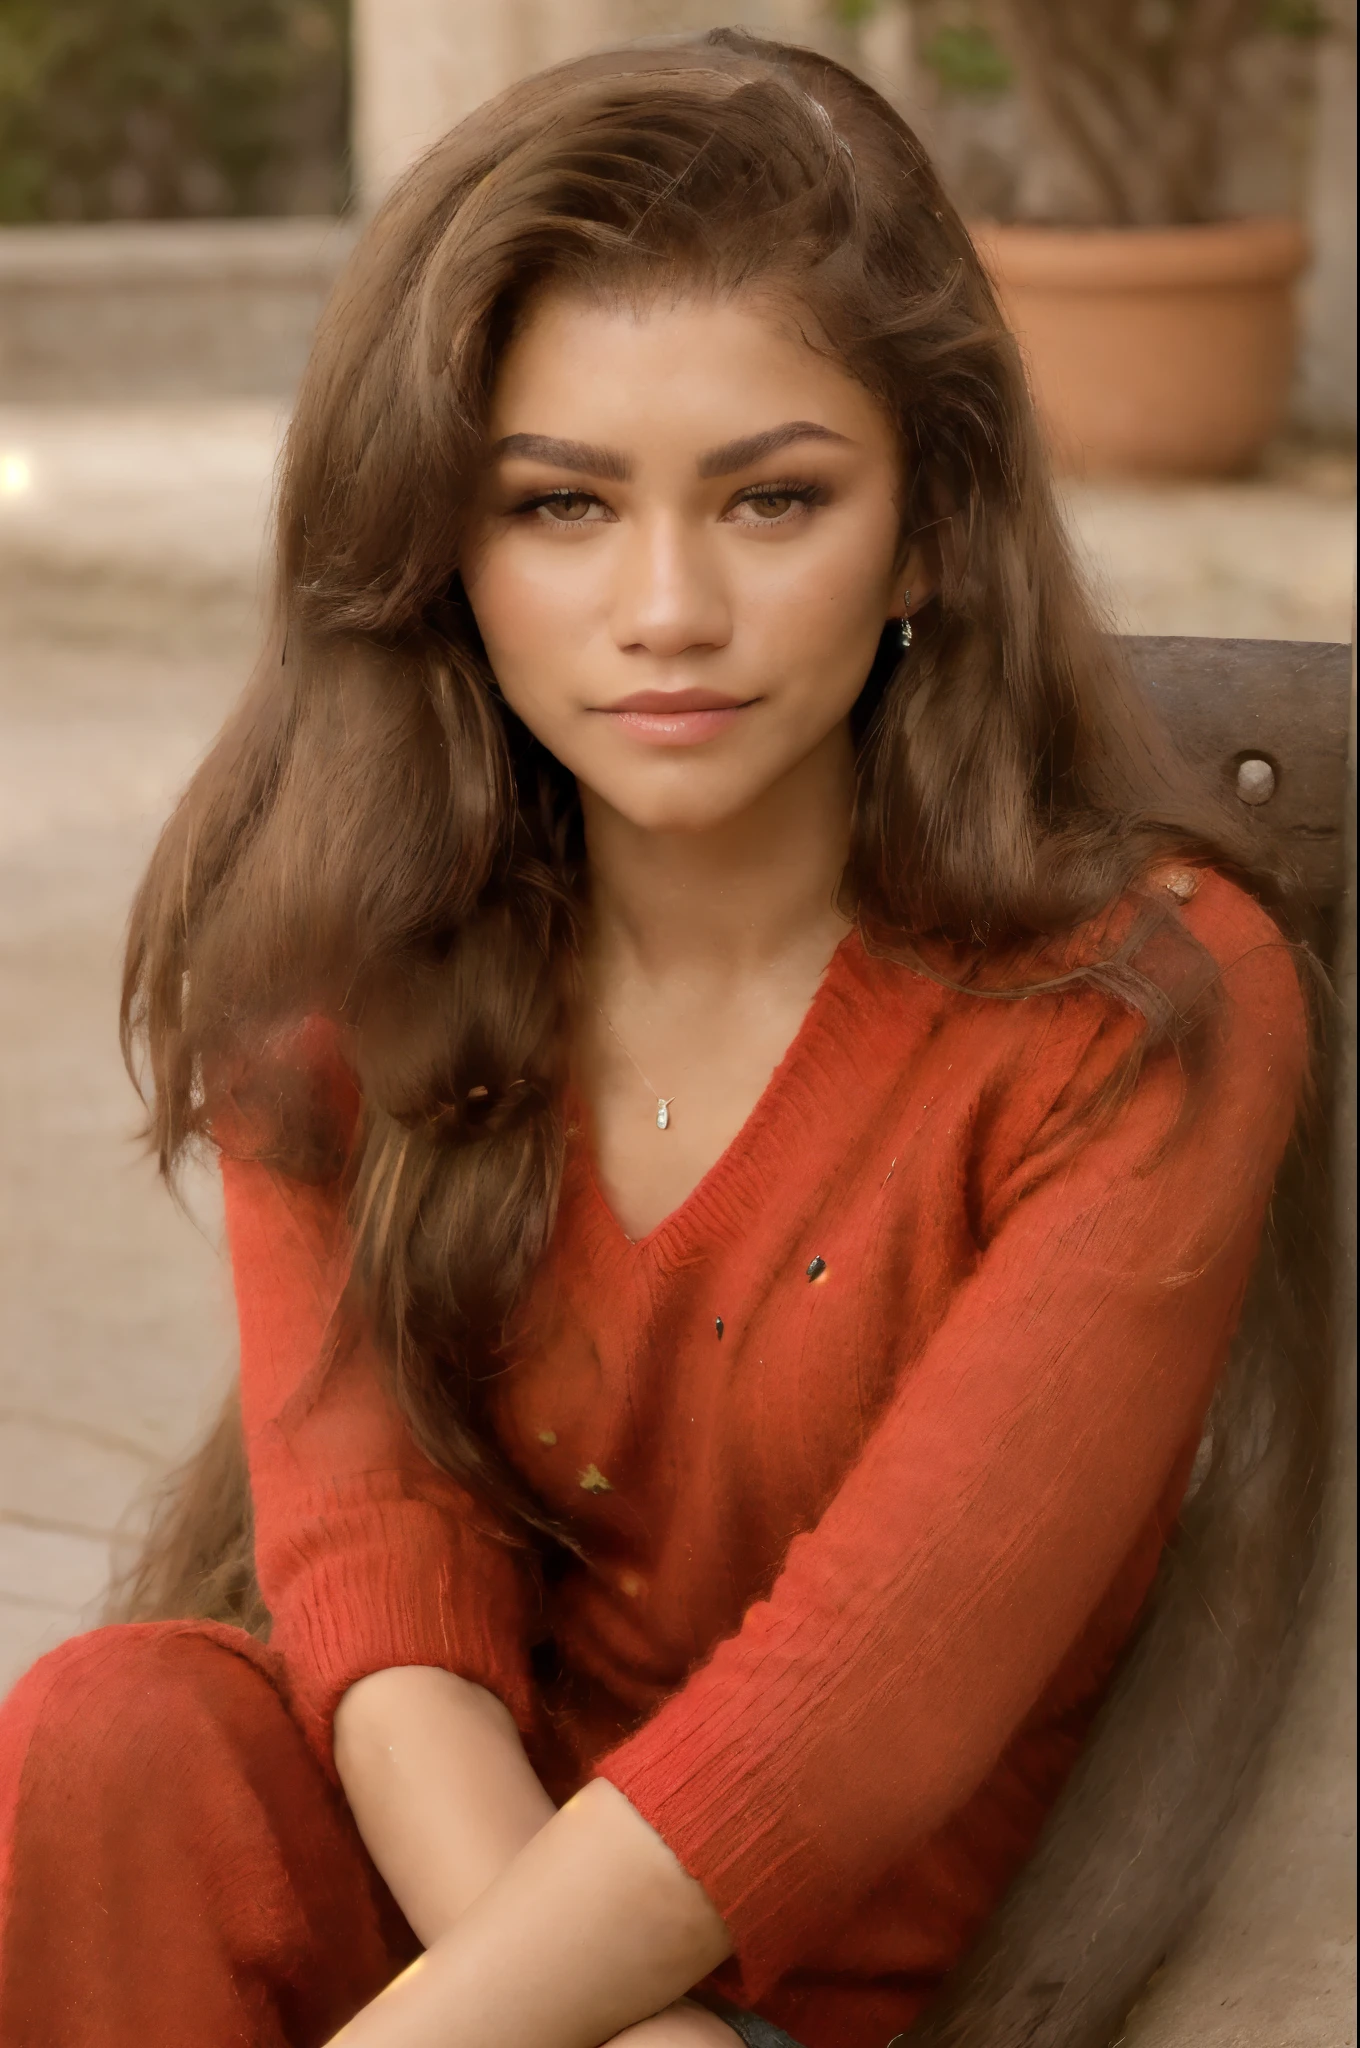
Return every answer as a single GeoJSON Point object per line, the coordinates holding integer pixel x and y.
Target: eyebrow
{"type": "Point", "coordinates": [735, 455]}
{"type": "Point", "coordinates": [579, 455]}
{"type": "Point", "coordinates": [589, 460]}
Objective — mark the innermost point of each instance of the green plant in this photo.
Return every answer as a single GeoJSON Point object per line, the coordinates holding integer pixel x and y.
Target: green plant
{"type": "Point", "coordinates": [1302, 18]}
{"type": "Point", "coordinates": [171, 107]}
{"type": "Point", "coordinates": [968, 62]}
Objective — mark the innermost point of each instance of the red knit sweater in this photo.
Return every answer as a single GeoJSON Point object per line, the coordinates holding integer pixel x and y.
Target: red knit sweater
{"type": "Point", "coordinates": [872, 1447]}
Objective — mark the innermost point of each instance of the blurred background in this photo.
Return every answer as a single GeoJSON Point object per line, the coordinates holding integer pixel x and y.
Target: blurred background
{"type": "Point", "coordinates": [1166, 194]}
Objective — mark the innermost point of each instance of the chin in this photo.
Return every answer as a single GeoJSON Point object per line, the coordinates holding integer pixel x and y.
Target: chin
{"type": "Point", "coordinates": [684, 820]}
{"type": "Point", "coordinates": [701, 808]}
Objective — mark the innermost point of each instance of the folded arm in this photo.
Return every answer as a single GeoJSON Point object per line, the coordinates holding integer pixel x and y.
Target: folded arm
{"type": "Point", "coordinates": [592, 1927]}
{"type": "Point", "coordinates": [401, 1617]}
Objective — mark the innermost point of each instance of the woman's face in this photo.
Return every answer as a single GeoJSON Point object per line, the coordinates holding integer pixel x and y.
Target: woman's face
{"type": "Point", "coordinates": [686, 550]}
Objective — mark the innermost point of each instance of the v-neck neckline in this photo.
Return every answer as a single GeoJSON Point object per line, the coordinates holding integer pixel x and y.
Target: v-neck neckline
{"type": "Point", "coordinates": [781, 1100]}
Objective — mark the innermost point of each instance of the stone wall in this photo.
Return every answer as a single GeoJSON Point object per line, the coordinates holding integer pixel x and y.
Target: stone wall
{"type": "Point", "coordinates": [163, 309]}
{"type": "Point", "coordinates": [1325, 398]}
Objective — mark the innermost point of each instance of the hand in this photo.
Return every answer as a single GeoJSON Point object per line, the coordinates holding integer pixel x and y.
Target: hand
{"type": "Point", "coordinates": [685, 2025]}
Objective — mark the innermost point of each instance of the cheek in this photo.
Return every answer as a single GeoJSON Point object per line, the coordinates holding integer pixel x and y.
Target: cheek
{"type": "Point", "coordinates": [532, 616]}
{"type": "Point", "coordinates": [513, 600]}
{"type": "Point", "coordinates": [842, 570]}
{"type": "Point", "coordinates": [826, 617]}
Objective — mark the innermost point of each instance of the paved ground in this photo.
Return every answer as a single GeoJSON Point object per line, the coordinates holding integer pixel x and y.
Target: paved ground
{"type": "Point", "coordinates": [128, 550]}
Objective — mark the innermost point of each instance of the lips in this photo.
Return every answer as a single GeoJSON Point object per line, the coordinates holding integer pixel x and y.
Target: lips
{"type": "Point", "coordinates": [675, 718]}
{"type": "Point", "coordinates": [677, 700]}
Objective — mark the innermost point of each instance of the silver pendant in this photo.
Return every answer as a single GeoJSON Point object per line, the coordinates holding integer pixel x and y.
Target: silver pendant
{"type": "Point", "coordinates": [663, 1111]}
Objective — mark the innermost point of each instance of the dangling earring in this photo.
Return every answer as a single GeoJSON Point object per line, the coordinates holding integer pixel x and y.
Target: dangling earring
{"type": "Point", "coordinates": [907, 635]}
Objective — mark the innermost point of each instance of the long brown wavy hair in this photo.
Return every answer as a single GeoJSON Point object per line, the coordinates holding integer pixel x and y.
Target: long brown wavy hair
{"type": "Point", "coordinates": [375, 839]}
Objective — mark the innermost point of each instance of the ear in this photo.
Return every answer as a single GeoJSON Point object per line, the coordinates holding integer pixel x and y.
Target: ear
{"type": "Point", "coordinates": [918, 573]}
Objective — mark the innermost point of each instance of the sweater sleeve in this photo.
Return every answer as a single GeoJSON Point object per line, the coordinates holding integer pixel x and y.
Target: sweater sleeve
{"type": "Point", "coordinates": [1026, 1448]}
{"type": "Point", "coordinates": [368, 1556]}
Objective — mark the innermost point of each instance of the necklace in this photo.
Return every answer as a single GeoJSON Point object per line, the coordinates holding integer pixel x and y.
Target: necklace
{"type": "Point", "coordinates": [663, 1102]}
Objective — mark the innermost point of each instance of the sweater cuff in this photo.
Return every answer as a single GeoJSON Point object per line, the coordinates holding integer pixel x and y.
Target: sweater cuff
{"type": "Point", "coordinates": [765, 1858]}
{"type": "Point", "coordinates": [387, 1591]}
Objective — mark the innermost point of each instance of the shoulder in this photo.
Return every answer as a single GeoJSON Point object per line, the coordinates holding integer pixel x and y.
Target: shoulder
{"type": "Point", "coordinates": [1196, 935]}
{"type": "Point", "coordinates": [1214, 1010]}
{"type": "Point", "coordinates": [1187, 931]}
{"type": "Point", "coordinates": [1213, 970]}
{"type": "Point", "coordinates": [289, 1100]}
{"type": "Point", "coordinates": [1259, 1035]}
{"type": "Point", "coordinates": [1234, 929]}
{"type": "Point", "coordinates": [1188, 961]}
{"type": "Point", "coordinates": [1179, 926]}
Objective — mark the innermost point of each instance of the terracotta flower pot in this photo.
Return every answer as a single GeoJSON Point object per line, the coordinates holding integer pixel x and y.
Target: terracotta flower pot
{"type": "Point", "coordinates": [1153, 351]}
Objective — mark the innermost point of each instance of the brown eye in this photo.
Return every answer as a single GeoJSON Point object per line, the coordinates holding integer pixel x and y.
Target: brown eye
{"type": "Point", "coordinates": [568, 508]}
{"type": "Point", "coordinates": [776, 504]}
{"type": "Point", "coordinates": [770, 504]}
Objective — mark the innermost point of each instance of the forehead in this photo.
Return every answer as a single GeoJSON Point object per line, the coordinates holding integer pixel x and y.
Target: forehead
{"type": "Point", "coordinates": [684, 364]}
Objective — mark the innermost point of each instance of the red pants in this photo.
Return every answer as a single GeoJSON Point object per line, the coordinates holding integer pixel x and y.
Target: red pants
{"type": "Point", "coordinates": [176, 1871]}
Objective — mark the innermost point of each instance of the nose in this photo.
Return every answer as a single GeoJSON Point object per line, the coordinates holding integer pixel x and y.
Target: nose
{"type": "Point", "coordinates": [670, 596]}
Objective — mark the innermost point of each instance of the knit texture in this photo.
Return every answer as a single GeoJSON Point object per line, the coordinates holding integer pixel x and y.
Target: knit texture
{"type": "Point", "coordinates": [871, 1446]}
{"type": "Point", "coordinates": [175, 1869]}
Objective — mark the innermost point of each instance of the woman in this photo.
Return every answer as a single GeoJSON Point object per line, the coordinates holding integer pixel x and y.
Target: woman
{"type": "Point", "coordinates": [747, 1101]}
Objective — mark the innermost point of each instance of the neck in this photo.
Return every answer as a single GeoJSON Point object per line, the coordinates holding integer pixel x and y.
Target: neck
{"type": "Point", "coordinates": [735, 897]}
